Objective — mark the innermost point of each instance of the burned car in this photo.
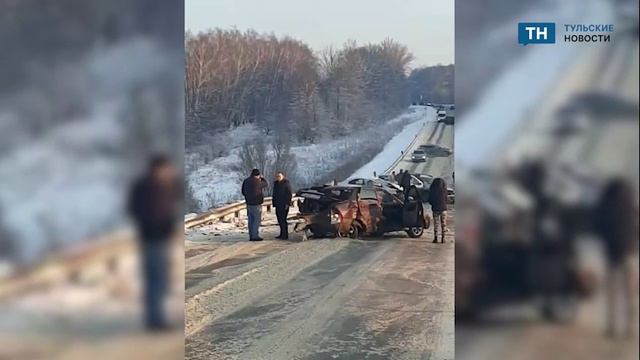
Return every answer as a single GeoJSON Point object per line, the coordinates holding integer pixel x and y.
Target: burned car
{"type": "Point", "coordinates": [358, 210]}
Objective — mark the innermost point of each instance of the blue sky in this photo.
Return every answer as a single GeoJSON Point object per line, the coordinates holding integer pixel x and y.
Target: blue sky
{"type": "Point", "coordinates": [425, 26]}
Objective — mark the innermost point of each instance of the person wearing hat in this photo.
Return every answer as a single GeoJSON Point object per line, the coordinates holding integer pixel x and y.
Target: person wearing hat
{"type": "Point", "coordinates": [252, 190]}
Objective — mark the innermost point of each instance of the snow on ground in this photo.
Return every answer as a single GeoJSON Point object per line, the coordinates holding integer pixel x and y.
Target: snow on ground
{"type": "Point", "coordinates": [398, 143]}
{"type": "Point", "coordinates": [485, 128]}
{"type": "Point", "coordinates": [216, 183]}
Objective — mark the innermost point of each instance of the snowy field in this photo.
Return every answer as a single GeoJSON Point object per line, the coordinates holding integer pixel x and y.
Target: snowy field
{"type": "Point", "coordinates": [215, 183]}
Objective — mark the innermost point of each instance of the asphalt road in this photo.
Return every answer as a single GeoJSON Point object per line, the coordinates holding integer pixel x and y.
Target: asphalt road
{"type": "Point", "coordinates": [389, 298]}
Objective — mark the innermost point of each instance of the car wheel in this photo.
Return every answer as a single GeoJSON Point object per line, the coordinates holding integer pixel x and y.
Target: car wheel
{"type": "Point", "coordinates": [415, 232]}
{"type": "Point", "coordinates": [352, 233]}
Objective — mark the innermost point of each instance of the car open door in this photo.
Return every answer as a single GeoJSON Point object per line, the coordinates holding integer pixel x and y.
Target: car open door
{"type": "Point", "coordinates": [413, 211]}
{"type": "Point", "coordinates": [369, 209]}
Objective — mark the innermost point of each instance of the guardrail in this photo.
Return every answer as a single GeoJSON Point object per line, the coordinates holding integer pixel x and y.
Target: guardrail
{"type": "Point", "coordinates": [95, 259]}
{"type": "Point", "coordinates": [234, 210]}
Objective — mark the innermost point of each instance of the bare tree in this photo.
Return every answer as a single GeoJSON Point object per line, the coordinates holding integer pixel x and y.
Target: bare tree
{"type": "Point", "coordinates": [252, 155]}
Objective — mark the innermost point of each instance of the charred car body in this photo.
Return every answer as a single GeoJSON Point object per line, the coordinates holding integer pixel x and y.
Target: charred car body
{"type": "Point", "coordinates": [357, 210]}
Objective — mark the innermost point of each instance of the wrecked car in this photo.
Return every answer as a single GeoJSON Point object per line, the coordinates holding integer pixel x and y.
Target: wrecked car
{"type": "Point", "coordinates": [359, 210]}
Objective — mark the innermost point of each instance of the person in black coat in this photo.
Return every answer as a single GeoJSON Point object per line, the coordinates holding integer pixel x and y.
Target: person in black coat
{"type": "Point", "coordinates": [438, 201]}
{"type": "Point", "coordinates": [405, 180]}
{"type": "Point", "coordinates": [616, 223]}
{"type": "Point", "coordinates": [252, 190]}
{"type": "Point", "coordinates": [154, 206]}
{"type": "Point", "coordinates": [282, 195]}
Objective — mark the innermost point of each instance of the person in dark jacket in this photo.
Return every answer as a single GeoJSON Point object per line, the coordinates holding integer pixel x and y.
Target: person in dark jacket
{"type": "Point", "coordinates": [399, 177]}
{"type": "Point", "coordinates": [616, 223]}
{"type": "Point", "coordinates": [438, 201]}
{"type": "Point", "coordinates": [252, 190]}
{"type": "Point", "coordinates": [282, 195]}
{"type": "Point", "coordinates": [405, 180]}
{"type": "Point", "coordinates": [154, 206]}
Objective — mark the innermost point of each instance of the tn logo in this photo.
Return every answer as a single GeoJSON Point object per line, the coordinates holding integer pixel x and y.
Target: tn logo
{"type": "Point", "coordinates": [536, 33]}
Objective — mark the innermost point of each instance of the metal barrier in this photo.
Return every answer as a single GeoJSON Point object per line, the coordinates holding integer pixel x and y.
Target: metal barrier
{"type": "Point", "coordinates": [97, 258]}
{"type": "Point", "coordinates": [227, 211]}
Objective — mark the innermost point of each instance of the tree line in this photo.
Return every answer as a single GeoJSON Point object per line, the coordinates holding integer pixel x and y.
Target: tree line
{"type": "Point", "coordinates": [235, 78]}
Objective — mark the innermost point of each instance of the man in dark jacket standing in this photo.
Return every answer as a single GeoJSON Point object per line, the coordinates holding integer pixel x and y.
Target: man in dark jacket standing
{"type": "Point", "coordinates": [154, 206]}
{"type": "Point", "coordinates": [282, 195]}
{"type": "Point", "coordinates": [252, 188]}
{"type": "Point", "coordinates": [405, 180]}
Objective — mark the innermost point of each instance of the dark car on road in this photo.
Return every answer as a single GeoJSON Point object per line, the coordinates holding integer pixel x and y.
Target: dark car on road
{"type": "Point", "coordinates": [358, 210]}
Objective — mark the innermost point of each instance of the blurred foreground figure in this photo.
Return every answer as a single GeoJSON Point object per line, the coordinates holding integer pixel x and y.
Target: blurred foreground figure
{"type": "Point", "coordinates": [616, 223]}
{"type": "Point", "coordinates": [154, 207]}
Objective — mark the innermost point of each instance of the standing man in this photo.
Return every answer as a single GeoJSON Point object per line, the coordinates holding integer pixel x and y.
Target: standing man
{"type": "Point", "coordinates": [252, 188]}
{"type": "Point", "coordinates": [393, 177]}
{"type": "Point", "coordinates": [154, 206]}
{"type": "Point", "coordinates": [281, 201]}
{"type": "Point", "coordinates": [405, 180]}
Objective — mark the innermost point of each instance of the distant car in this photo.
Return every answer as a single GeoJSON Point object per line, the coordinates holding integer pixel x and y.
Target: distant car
{"type": "Point", "coordinates": [446, 117]}
{"type": "Point", "coordinates": [419, 156]}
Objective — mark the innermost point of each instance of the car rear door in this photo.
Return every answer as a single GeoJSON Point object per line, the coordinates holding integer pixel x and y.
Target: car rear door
{"type": "Point", "coordinates": [369, 208]}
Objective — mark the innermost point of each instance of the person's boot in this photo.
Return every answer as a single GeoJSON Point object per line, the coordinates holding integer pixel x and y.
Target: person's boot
{"type": "Point", "coordinates": [442, 239]}
{"type": "Point", "coordinates": [435, 238]}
